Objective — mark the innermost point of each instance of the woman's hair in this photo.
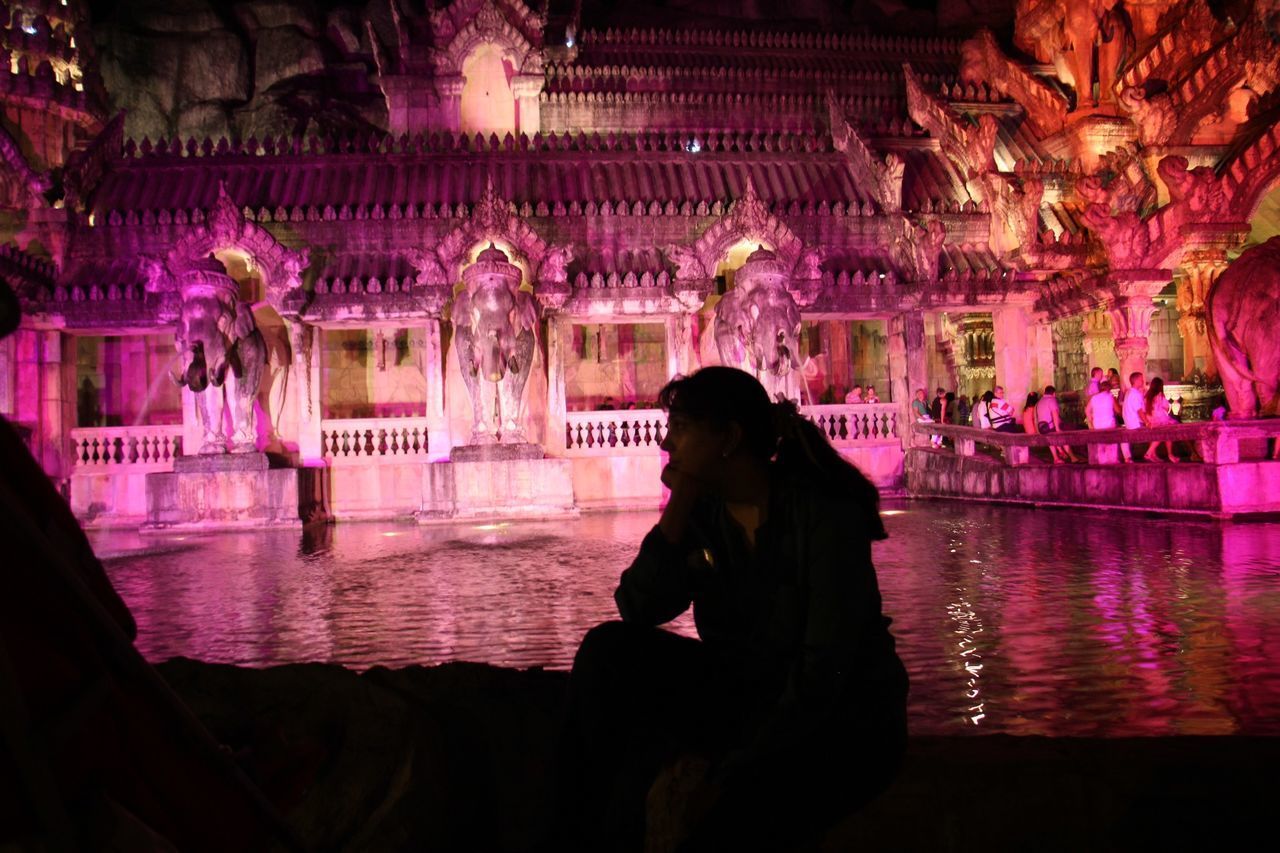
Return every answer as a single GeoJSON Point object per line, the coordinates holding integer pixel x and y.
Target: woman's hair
{"type": "Point", "coordinates": [771, 431]}
{"type": "Point", "coordinates": [988, 396]}
{"type": "Point", "coordinates": [1032, 399]}
{"type": "Point", "coordinates": [1156, 387]}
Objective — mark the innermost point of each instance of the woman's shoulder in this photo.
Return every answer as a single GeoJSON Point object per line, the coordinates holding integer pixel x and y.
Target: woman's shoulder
{"type": "Point", "coordinates": [832, 506]}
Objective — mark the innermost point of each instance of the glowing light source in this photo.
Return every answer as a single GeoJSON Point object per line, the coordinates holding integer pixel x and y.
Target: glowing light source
{"type": "Point", "coordinates": [568, 41]}
{"type": "Point", "coordinates": [893, 512]}
{"type": "Point", "coordinates": [29, 29]}
{"type": "Point", "coordinates": [390, 533]}
{"type": "Point", "coordinates": [498, 526]}
{"type": "Point", "coordinates": [693, 146]}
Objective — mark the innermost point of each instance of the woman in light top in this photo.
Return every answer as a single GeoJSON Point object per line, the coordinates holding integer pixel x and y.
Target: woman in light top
{"type": "Point", "coordinates": [1156, 414]}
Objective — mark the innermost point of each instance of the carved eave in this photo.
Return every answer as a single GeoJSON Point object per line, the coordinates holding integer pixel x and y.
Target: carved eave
{"type": "Point", "coordinates": [882, 178]}
{"type": "Point", "coordinates": [970, 149]}
{"type": "Point", "coordinates": [1067, 295]}
{"type": "Point", "coordinates": [747, 219]}
{"type": "Point", "coordinates": [1046, 108]}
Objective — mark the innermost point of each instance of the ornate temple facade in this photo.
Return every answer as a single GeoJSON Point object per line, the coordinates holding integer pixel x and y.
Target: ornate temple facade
{"type": "Point", "coordinates": [548, 220]}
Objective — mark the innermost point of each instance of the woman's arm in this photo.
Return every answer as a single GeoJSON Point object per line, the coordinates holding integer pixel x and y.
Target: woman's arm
{"type": "Point", "coordinates": [656, 588]}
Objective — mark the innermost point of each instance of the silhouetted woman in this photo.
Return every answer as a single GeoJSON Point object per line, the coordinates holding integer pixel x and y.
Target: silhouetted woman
{"type": "Point", "coordinates": [793, 698]}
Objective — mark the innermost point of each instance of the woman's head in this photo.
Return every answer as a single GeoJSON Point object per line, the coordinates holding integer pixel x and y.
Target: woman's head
{"type": "Point", "coordinates": [720, 398]}
{"type": "Point", "coordinates": [1154, 389]}
{"type": "Point", "coordinates": [1032, 399]}
{"type": "Point", "coordinates": [988, 396]}
{"type": "Point", "coordinates": [721, 418]}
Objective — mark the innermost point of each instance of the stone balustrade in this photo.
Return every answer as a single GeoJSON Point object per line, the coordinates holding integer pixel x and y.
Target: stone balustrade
{"type": "Point", "coordinates": [359, 440]}
{"type": "Point", "coordinates": [136, 448]}
{"type": "Point", "coordinates": [852, 424]}
{"type": "Point", "coordinates": [610, 433]}
{"type": "Point", "coordinates": [640, 431]}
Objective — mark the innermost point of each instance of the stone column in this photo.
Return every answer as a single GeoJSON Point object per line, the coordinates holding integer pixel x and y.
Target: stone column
{"type": "Point", "coordinates": [1130, 308]}
{"type": "Point", "coordinates": [1042, 360]}
{"type": "Point", "coordinates": [439, 437]}
{"type": "Point", "coordinates": [1013, 363]}
{"type": "Point", "coordinates": [8, 401]}
{"type": "Point", "coordinates": [682, 354]}
{"type": "Point", "coordinates": [1099, 348]}
{"type": "Point", "coordinates": [559, 335]}
{"type": "Point", "coordinates": [526, 88]}
{"type": "Point", "coordinates": [1071, 372]}
{"type": "Point", "coordinates": [51, 406]}
{"type": "Point", "coordinates": [1200, 270]}
{"type": "Point", "coordinates": [448, 105]}
{"type": "Point", "coordinates": [304, 385]}
{"type": "Point", "coordinates": [908, 366]}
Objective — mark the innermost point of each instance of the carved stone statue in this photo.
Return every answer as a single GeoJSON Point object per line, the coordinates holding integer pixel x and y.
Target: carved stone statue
{"type": "Point", "coordinates": [495, 332]}
{"type": "Point", "coordinates": [757, 325]}
{"type": "Point", "coordinates": [223, 355]}
{"type": "Point", "coordinates": [1244, 312]}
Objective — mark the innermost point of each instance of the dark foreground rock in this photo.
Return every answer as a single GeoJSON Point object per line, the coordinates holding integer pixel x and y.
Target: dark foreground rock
{"type": "Point", "coordinates": [457, 757]}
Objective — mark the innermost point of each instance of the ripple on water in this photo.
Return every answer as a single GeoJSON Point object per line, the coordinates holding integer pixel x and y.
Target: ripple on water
{"type": "Point", "coordinates": [1008, 619]}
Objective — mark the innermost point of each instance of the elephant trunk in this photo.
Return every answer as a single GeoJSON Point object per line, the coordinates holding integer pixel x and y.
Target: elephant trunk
{"type": "Point", "coordinates": [493, 362]}
{"type": "Point", "coordinates": [196, 376]}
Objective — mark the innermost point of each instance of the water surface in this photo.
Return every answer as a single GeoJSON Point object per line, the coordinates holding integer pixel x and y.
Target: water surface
{"type": "Point", "coordinates": [1017, 620]}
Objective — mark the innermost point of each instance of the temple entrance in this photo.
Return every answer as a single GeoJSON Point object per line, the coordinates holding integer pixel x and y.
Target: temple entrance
{"type": "Point", "coordinates": [488, 103]}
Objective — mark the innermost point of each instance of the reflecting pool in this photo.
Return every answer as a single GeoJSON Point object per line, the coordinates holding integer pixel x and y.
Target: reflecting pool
{"type": "Point", "coordinates": [1017, 620]}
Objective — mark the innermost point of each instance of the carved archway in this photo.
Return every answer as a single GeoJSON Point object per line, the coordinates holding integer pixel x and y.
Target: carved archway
{"type": "Point", "coordinates": [226, 228]}
{"type": "Point", "coordinates": [750, 220]}
{"type": "Point", "coordinates": [491, 220]}
{"type": "Point", "coordinates": [464, 26]}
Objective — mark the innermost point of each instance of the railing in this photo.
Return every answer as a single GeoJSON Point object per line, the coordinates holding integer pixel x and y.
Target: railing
{"type": "Point", "coordinates": [640, 431]}
{"type": "Point", "coordinates": [364, 439]}
{"type": "Point", "coordinates": [848, 424]}
{"type": "Point", "coordinates": [137, 448]}
{"type": "Point", "coordinates": [609, 433]}
{"type": "Point", "coordinates": [1215, 441]}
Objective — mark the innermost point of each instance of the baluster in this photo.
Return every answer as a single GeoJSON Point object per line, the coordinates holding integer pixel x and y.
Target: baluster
{"type": "Point", "coordinates": [346, 443]}
{"type": "Point", "coordinates": [568, 436]}
{"type": "Point", "coordinates": [613, 434]}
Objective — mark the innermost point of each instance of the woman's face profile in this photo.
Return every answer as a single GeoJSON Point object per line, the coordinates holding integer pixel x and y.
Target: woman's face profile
{"type": "Point", "coordinates": [693, 445]}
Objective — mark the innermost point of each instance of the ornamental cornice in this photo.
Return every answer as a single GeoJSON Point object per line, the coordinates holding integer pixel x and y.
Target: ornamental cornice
{"type": "Point", "coordinates": [464, 26]}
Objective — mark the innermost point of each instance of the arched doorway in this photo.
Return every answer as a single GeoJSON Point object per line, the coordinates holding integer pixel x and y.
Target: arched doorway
{"type": "Point", "coordinates": [488, 103]}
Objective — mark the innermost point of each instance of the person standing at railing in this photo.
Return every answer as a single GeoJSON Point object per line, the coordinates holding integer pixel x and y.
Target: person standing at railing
{"type": "Point", "coordinates": [1049, 420]}
{"type": "Point", "coordinates": [920, 409]}
{"type": "Point", "coordinates": [854, 396]}
{"type": "Point", "coordinates": [871, 394]}
{"type": "Point", "coordinates": [1131, 410]}
{"type": "Point", "coordinates": [1000, 412]}
{"type": "Point", "coordinates": [1100, 411]}
{"type": "Point", "coordinates": [982, 411]}
{"type": "Point", "coordinates": [963, 410]}
{"type": "Point", "coordinates": [1156, 413]}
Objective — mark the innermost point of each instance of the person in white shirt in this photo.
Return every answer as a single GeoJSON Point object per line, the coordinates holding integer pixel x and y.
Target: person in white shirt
{"type": "Point", "coordinates": [1049, 420]}
{"type": "Point", "coordinates": [1131, 411]}
{"type": "Point", "coordinates": [1001, 413]}
{"type": "Point", "coordinates": [1100, 411]}
{"type": "Point", "coordinates": [1095, 381]}
{"type": "Point", "coordinates": [982, 411]}
{"type": "Point", "coordinates": [871, 394]}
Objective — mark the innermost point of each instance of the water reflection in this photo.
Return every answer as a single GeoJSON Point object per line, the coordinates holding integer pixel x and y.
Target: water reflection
{"type": "Point", "coordinates": [1013, 620]}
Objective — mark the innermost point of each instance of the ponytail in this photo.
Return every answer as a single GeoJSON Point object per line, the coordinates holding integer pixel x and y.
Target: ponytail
{"type": "Point", "coordinates": [805, 454]}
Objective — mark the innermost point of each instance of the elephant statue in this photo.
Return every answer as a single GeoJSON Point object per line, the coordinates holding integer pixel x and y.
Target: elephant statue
{"type": "Point", "coordinates": [223, 356]}
{"type": "Point", "coordinates": [1243, 308]}
{"type": "Point", "coordinates": [757, 326]}
{"type": "Point", "coordinates": [495, 331]}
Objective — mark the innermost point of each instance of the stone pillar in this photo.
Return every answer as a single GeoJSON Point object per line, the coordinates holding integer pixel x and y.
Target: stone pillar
{"type": "Point", "coordinates": [8, 386]}
{"type": "Point", "coordinates": [50, 405]}
{"type": "Point", "coordinates": [526, 88]}
{"type": "Point", "coordinates": [1042, 356]}
{"type": "Point", "coordinates": [447, 108]}
{"type": "Point", "coordinates": [439, 437]}
{"type": "Point", "coordinates": [908, 365]}
{"type": "Point", "coordinates": [1070, 369]}
{"type": "Point", "coordinates": [304, 384]}
{"type": "Point", "coordinates": [1199, 271]}
{"type": "Point", "coordinates": [682, 355]}
{"type": "Point", "coordinates": [1099, 347]}
{"type": "Point", "coordinates": [1013, 363]}
{"type": "Point", "coordinates": [559, 337]}
{"type": "Point", "coordinates": [1130, 308]}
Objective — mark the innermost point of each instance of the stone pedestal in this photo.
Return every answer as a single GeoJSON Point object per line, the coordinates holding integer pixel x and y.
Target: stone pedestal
{"type": "Point", "coordinates": [497, 480]}
{"type": "Point", "coordinates": [230, 491]}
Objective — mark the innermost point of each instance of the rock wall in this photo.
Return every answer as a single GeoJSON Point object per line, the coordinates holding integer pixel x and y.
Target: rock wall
{"type": "Point", "coordinates": [201, 68]}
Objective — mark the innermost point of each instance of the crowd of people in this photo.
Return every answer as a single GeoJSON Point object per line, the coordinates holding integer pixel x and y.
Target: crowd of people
{"type": "Point", "coordinates": [1107, 402]}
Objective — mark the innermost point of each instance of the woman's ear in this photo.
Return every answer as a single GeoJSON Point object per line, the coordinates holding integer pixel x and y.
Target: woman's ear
{"type": "Point", "coordinates": [732, 439]}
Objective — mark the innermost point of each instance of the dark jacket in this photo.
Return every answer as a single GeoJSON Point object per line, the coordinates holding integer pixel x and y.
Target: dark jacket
{"type": "Point", "coordinates": [799, 617]}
